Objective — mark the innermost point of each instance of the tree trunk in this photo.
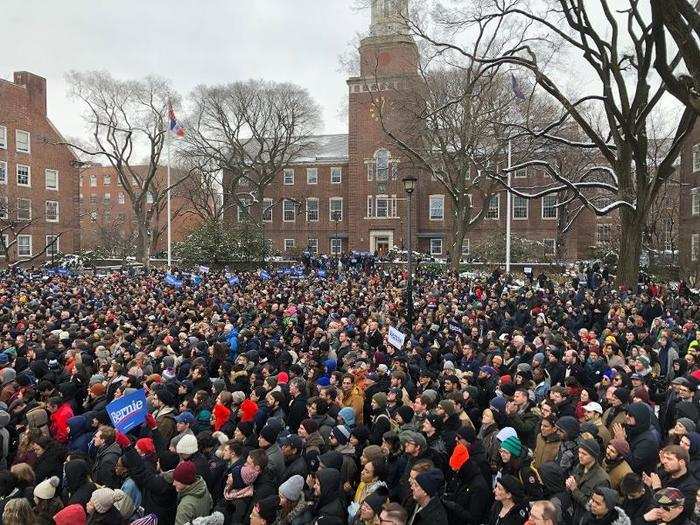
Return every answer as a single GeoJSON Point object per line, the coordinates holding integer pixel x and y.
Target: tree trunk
{"type": "Point", "coordinates": [460, 231]}
{"type": "Point", "coordinates": [630, 249]}
{"type": "Point", "coordinates": [143, 245]}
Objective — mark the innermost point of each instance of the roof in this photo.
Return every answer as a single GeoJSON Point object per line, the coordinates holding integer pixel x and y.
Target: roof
{"type": "Point", "coordinates": [325, 148]}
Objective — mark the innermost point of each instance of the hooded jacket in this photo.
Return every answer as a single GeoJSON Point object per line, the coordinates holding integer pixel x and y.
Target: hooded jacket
{"type": "Point", "coordinates": [158, 496]}
{"type": "Point", "coordinates": [644, 448]}
{"type": "Point", "coordinates": [103, 470]}
{"type": "Point", "coordinates": [329, 504]}
{"type": "Point", "coordinates": [80, 434]}
{"type": "Point", "coordinates": [76, 486]}
{"type": "Point", "coordinates": [467, 495]}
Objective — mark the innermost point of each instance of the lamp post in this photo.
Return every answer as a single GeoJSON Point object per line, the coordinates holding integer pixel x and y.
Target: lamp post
{"type": "Point", "coordinates": [409, 186]}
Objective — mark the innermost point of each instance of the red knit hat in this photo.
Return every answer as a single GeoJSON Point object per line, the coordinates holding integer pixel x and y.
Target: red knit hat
{"type": "Point", "coordinates": [221, 416]}
{"type": "Point", "coordinates": [145, 446]}
{"type": "Point", "coordinates": [249, 410]}
{"type": "Point", "coordinates": [71, 515]}
{"type": "Point", "coordinates": [460, 455]}
{"type": "Point", "coordinates": [185, 473]}
{"type": "Point", "coordinates": [283, 378]}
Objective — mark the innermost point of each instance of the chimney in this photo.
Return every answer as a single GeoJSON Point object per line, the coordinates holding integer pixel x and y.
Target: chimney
{"type": "Point", "coordinates": [36, 87]}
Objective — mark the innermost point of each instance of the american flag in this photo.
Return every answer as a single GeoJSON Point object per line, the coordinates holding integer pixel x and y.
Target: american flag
{"type": "Point", "coordinates": [175, 126]}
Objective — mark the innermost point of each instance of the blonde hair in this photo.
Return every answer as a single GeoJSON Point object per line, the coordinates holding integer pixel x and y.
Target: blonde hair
{"type": "Point", "coordinates": [18, 511]}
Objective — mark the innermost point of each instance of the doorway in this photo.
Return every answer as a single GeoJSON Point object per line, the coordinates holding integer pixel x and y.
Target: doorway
{"type": "Point", "coordinates": [381, 242]}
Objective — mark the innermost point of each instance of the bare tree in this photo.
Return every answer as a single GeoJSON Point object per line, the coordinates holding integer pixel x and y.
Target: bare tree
{"type": "Point", "coordinates": [252, 131]}
{"type": "Point", "coordinates": [127, 118]}
{"type": "Point", "coordinates": [618, 48]}
{"type": "Point", "coordinates": [17, 216]}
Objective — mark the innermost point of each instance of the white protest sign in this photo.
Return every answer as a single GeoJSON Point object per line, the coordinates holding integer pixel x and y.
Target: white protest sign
{"type": "Point", "coordinates": [396, 338]}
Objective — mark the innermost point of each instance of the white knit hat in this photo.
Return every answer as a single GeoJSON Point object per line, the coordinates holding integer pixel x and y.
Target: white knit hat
{"type": "Point", "coordinates": [103, 499]}
{"type": "Point", "coordinates": [47, 488]}
{"type": "Point", "coordinates": [187, 445]}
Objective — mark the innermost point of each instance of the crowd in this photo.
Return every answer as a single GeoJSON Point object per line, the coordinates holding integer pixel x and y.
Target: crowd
{"type": "Point", "coordinates": [284, 401]}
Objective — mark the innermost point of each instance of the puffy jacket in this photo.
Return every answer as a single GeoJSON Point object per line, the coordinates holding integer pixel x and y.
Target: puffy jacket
{"type": "Point", "coordinates": [644, 447]}
{"type": "Point", "coordinates": [59, 423]}
{"type": "Point", "coordinates": [467, 496]}
{"type": "Point", "coordinates": [158, 496]}
{"type": "Point", "coordinates": [193, 501]}
{"type": "Point", "coordinates": [103, 470]}
{"type": "Point", "coordinates": [80, 434]}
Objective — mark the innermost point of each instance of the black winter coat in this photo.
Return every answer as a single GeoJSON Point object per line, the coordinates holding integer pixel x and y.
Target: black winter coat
{"type": "Point", "coordinates": [103, 470]}
{"type": "Point", "coordinates": [50, 463]}
{"type": "Point", "coordinates": [433, 513]}
{"type": "Point", "coordinates": [157, 495]}
{"type": "Point", "coordinates": [467, 496]}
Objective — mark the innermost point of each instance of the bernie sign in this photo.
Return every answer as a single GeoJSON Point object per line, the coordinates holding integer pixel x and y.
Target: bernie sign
{"type": "Point", "coordinates": [129, 411]}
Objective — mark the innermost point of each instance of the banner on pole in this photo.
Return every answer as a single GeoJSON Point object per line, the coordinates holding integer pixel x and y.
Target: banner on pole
{"type": "Point", "coordinates": [396, 338]}
{"type": "Point", "coordinates": [128, 412]}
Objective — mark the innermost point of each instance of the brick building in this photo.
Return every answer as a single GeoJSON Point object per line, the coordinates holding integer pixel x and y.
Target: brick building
{"type": "Point", "coordinates": [689, 228]}
{"type": "Point", "coordinates": [107, 217]}
{"type": "Point", "coordinates": [38, 177]}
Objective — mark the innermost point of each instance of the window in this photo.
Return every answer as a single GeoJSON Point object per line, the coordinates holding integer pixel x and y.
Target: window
{"type": "Point", "coordinates": [24, 175]}
{"type": "Point", "coordinates": [51, 179]}
{"type": "Point", "coordinates": [288, 211]}
{"type": "Point", "coordinates": [51, 211]}
{"type": "Point", "coordinates": [93, 199]}
{"type": "Point", "coordinates": [437, 207]}
{"type": "Point", "coordinates": [336, 175]}
{"type": "Point", "coordinates": [466, 248]}
{"type": "Point", "coordinates": [24, 245]}
{"type": "Point", "coordinates": [52, 245]}
{"type": "Point", "coordinates": [3, 137]}
{"type": "Point", "coordinates": [493, 211]}
{"type": "Point", "coordinates": [336, 208]}
{"type": "Point", "coordinates": [288, 177]}
{"type": "Point", "coordinates": [435, 246]}
{"type": "Point", "coordinates": [549, 207]}
{"type": "Point", "coordinates": [246, 201]}
{"type": "Point", "coordinates": [695, 201]}
{"type": "Point", "coordinates": [694, 246]}
{"type": "Point", "coordinates": [149, 198]}
{"type": "Point", "coordinates": [696, 157]}
{"type": "Point", "coordinates": [603, 232]}
{"type": "Point", "coordinates": [107, 214]}
{"type": "Point", "coordinates": [311, 175]}
{"type": "Point", "coordinates": [120, 198]}
{"type": "Point", "coordinates": [550, 246]}
{"type": "Point", "coordinates": [312, 209]}
{"type": "Point", "coordinates": [289, 244]}
{"type": "Point", "coordinates": [370, 206]}
{"type": "Point", "coordinates": [3, 172]}
{"type": "Point", "coordinates": [5, 242]}
{"type": "Point", "coordinates": [243, 181]}
{"type": "Point", "coordinates": [267, 210]}
{"type": "Point", "coordinates": [4, 205]}
{"type": "Point", "coordinates": [667, 225]}
{"type": "Point", "coordinates": [24, 209]}
{"type": "Point", "coordinates": [107, 180]}
{"type": "Point", "coordinates": [107, 199]}
{"type": "Point", "coordinates": [93, 181]}
{"type": "Point", "coordinates": [382, 207]}
{"type": "Point", "coordinates": [336, 246]}
{"type": "Point", "coordinates": [520, 173]}
{"type": "Point", "coordinates": [23, 141]}
{"type": "Point", "coordinates": [382, 159]}
{"type": "Point", "coordinates": [520, 205]}
{"type": "Point", "coordinates": [313, 245]}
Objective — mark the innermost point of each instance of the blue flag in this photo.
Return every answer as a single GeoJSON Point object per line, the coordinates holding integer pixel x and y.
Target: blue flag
{"type": "Point", "coordinates": [264, 276]}
{"type": "Point", "coordinates": [233, 280]}
{"type": "Point", "coordinates": [128, 412]}
{"type": "Point", "coordinates": [233, 343]}
{"type": "Point", "coordinates": [171, 280]}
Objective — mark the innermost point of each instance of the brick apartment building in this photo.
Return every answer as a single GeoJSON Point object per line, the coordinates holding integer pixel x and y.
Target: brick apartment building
{"type": "Point", "coordinates": [689, 228]}
{"type": "Point", "coordinates": [38, 177]}
{"type": "Point", "coordinates": [107, 217]}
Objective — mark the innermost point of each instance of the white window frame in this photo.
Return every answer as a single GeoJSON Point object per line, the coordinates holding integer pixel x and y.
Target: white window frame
{"type": "Point", "coordinates": [285, 202]}
{"type": "Point", "coordinates": [49, 204]}
{"type": "Point", "coordinates": [107, 199]}
{"type": "Point", "coordinates": [3, 172]}
{"type": "Point", "coordinates": [316, 201]}
{"type": "Point", "coordinates": [441, 200]}
{"type": "Point", "coordinates": [121, 198]}
{"type": "Point", "coordinates": [93, 181]}
{"type": "Point", "coordinates": [288, 177]}
{"type": "Point", "coordinates": [6, 241]}
{"type": "Point", "coordinates": [3, 137]}
{"type": "Point", "coordinates": [520, 173]}
{"type": "Point", "coordinates": [18, 132]}
{"type": "Point", "coordinates": [313, 245]}
{"type": "Point", "coordinates": [383, 178]}
{"type": "Point", "coordinates": [607, 230]}
{"type": "Point", "coordinates": [107, 180]}
{"type": "Point", "coordinates": [331, 200]}
{"type": "Point", "coordinates": [336, 245]}
{"type": "Point", "coordinates": [370, 206]}
{"type": "Point", "coordinates": [150, 199]}
{"type": "Point", "coordinates": [47, 173]}
{"type": "Point", "coordinates": [23, 199]}
{"type": "Point", "coordinates": [4, 207]}
{"type": "Point", "coordinates": [289, 244]}
{"type": "Point", "coordinates": [433, 250]}
{"type": "Point", "coordinates": [695, 160]}
{"type": "Point", "coordinates": [466, 242]}
{"type": "Point", "coordinates": [29, 175]}
{"type": "Point", "coordinates": [694, 246]}
{"type": "Point", "coordinates": [56, 248]}
{"type": "Point", "coordinates": [311, 175]}
{"type": "Point", "coordinates": [339, 172]}
{"type": "Point", "coordinates": [384, 199]}
{"type": "Point", "coordinates": [93, 199]}
{"type": "Point", "coordinates": [267, 209]}
{"type": "Point", "coordinates": [695, 202]}
{"type": "Point", "coordinates": [527, 208]}
{"type": "Point", "coordinates": [489, 209]}
{"type": "Point", "coordinates": [550, 207]}
{"type": "Point", "coordinates": [20, 237]}
{"type": "Point", "coordinates": [553, 242]}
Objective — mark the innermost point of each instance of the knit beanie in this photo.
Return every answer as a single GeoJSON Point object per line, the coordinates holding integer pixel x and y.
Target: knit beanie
{"type": "Point", "coordinates": [435, 421]}
{"type": "Point", "coordinates": [376, 500]}
{"type": "Point", "coordinates": [47, 488]}
{"type": "Point", "coordinates": [187, 445]}
{"type": "Point", "coordinates": [248, 410]}
{"type": "Point", "coordinates": [246, 428]}
{"type": "Point", "coordinates": [292, 488]}
{"type": "Point", "coordinates": [145, 446]}
{"type": "Point", "coordinates": [71, 515]}
{"type": "Point", "coordinates": [621, 446]}
{"type": "Point", "coordinates": [103, 499]}
{"type": "Point", "coordinates": [499, 404]}
{"type": "Point", "coordinates": [622, 394]}
{"type": "Point", "coordinates": [341, 433]}
{"type": "Point", "coordinates": [185, 473]}
{"type": "Point", "coordinates": [460, 455]}
{"type": "Point", "coordinates": [687, 423]}
{"type": "Point", "coordinates": [512, 445]}
{"type": "Point", "coordinates": [268, 507]}
{"type": "Point", "coordinates": [348, 416]}
{"type": "Point", "coordinates": [505, 433]}
{"type": "Point", "coordinates": [430, 481]}
{"type": "Point", "coordinates": [406, 413]}
{"type": "Point", "coordinates": [380, 399]}
{"type": "Point", "coordinates": [513, 486]}
{"type": "Point", "coordinates": [591, 446]}
{"type": "Point", "coordinates": [270, 432]}
{"type": "Point", "coordinates": [609, 495]}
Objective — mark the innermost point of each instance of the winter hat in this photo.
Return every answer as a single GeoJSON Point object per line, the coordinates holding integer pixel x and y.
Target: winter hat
{"type": "Point", "coordinates": [331, 459]}
{"type": "Point", "coordinates": [621, 446]}
{"type": "Point", "coordinates": [416, 438]}
{"type": "Point", "coordinates": [267, 507]}
{"type": "Point", "coordinates": [248, 410]}
{"type": "Point", "coordinates": [185, 473]}
{"type": "Point", "coordinates": [341, 433]}
{"type": "Point", "coordinates": [622, 394]}
{"type": "Point", "coordinates": [216, 518]}
{"type": "Point", "coordinates": [687, 423]}
{"type": "Point", "coordinates": [591, 446]}
{"type": "Point", "coordinates": [513, 486]}
{"type": "Point", "coordinates": [348, 415]}
{"type": "Point", "coordinates": [448, 406]}
{"type": "Point", "coordinates": [435, 421]}
{"type": "Point", "coordinates": [37, 417]}
{"type": "Point", "coordinates": [103, 499]}
{"type": "Point", "coordinates": [669, 497]}
{"type": "Point", "coordinates": [4, 418]}
{"type": "Point", "coordinates": [505, 433]}
{"type": "Point", "coordinates": [146, 446]}
{"type": "Point", "coordinates": [309, 425]}
{"type": "Point", "coordinates": [8, 375]}
{"type": "Point", "coordinates": [270, 432]}
{"type": "Point", "coordinates": [237, 397]}
{"type": "Point", "coordinates": [282, 378]}
{"type": "Point", "coordinates": [467, 434]}
{"type": "Point", "coordinates": [361, 433]}
{"type": "Point", "coordinates": [430, 481]}
{"type": "Point", "coordinates": [292, 488]}
{"type": "Point", "coordinates": [609, 495]}
{"type": "Point", "coordinates": [380, 399]}
{"type": "Point", "coordinates": [187, 445]}
{"type": "Point", "coordinates": [71, 515]}
{"type": "Point", "coordinates": [569, 425]}
{"type": "Point", "coordinates": [47, 488]}
{"type": "Point", "coordinates": [460, 455]}
{"type": "Point", "coordinates": [246, 428]}
{"type": "Point", "coordinates": [513, 445]}
{"type": "Point", "coordinates": [499, 404]}
{"type": "Point", "coordinates": [406, 413]}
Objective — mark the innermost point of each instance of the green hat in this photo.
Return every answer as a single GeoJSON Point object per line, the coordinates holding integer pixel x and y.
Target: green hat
{"type": "Point", "coordinates": [512, 445]}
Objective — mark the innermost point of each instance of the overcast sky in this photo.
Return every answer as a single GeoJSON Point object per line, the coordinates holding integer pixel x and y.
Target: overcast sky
{"type": "Point", "coordinates": [188, 41]}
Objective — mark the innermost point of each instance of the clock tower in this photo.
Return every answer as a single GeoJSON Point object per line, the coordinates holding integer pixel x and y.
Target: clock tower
{"type": "Point", "coordinates": [389, 60]}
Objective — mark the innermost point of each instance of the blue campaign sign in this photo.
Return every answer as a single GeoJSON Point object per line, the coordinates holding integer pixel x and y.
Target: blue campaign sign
{"type": "Point", "coordinates": [128, 412]}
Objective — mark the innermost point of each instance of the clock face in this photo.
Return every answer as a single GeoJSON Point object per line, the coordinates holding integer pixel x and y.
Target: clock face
{"type": "Point", "coordinates": [376, 108]}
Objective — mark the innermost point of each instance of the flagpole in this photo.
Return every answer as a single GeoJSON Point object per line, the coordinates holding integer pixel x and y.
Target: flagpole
{"type": "Point", "coordinates": [508, 206]}
{"type": "Point", "coordinates": [170, 260]}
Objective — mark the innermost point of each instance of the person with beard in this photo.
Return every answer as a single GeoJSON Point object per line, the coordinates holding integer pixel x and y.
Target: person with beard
{"type": "Point", "coordinates": [447, 410]}
{"type": "Point", "coordinates": [432, 429]}
{"type": "Point", "coordinates": [615, 414]}
{"type": "Point", "coordinates": [603, 509]}
{"type": "Point", "coordinates": [555, 368]}
{"type": "Point", "coordinates": [615, 464]}
{"type": "Point", "coordinates": [643, 443]}
{"type": "Point", "coordinates": [328, 506]}
{"type": "Point", "coordinates": [520, 415]}
{"type": "Point", "coordinates": [564, 402]}
{"type": "Point", "coordinates": [587, 476]}
{"type": "Point", "coordinates": [164, 403]}
{"type": "Point", "coordinates": [486, 383]}
{"type": "Point", "coordinates": [568, 429]}
{"type": "Point", "coordinates": [467, 496]}
{"type": "Point", "coordinates": [674, 462]}
{"type": "Point", "coordinates": [638, 499]}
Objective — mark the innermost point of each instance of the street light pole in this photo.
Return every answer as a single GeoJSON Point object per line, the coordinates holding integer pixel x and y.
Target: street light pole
{"type": "Point", "coordinates": [409, 185]}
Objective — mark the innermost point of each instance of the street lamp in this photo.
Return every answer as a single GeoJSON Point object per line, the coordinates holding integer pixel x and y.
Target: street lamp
{"type": "Point", "coordinates": [409, 186]}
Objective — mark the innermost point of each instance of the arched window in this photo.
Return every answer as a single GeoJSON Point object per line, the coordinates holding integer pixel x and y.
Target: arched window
{"type": "Point", "coordinates": [381, 158]}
